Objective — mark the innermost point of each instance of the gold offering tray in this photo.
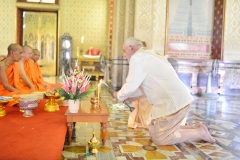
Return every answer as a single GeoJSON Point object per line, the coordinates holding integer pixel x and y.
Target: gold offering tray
{"type": "Point", "coordinates": [3, 101]}
{"type": "Point", "coordinates": [51, 105]}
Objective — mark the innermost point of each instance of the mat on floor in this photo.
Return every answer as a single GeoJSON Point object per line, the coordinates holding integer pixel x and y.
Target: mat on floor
{"type": "Point", "coordinates": [39, 137]}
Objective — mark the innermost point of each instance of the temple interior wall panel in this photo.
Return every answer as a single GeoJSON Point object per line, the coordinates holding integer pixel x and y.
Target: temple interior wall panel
{"type": "Point", "coordinates": [146, 20]}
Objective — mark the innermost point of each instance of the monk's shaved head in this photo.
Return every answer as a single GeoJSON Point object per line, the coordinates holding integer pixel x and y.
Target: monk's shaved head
{"type": "Point", "coordinates": [14, 47]}
{"type": "Point", "coordinates": [36, 55]}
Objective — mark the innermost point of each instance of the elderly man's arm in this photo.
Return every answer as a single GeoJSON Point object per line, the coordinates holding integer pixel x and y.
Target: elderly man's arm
{"type": "Point", "coordinates": [132, 98]}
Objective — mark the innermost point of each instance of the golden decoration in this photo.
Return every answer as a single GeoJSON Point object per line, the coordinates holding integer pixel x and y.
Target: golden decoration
{"type": "Point", "coordinates": [2, 110]}
{"type": "Point", "coordinates": [95, 101]}
{"type": "Point", "coordinates": [93, 144]}
{"type": "Point", "coordinates": [51, 105]}
{"type": "Point", "coordinates": [3, 103]}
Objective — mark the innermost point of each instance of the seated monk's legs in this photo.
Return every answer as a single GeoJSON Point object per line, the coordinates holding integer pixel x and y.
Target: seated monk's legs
{"type": "Point", "coordinates": [167, 130]}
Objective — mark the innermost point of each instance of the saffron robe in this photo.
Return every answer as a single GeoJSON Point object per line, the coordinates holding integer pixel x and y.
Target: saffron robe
{"type": "Point", "coordinates": [34, 74]}
{"type": "Point", "coordinates": [14, 80]}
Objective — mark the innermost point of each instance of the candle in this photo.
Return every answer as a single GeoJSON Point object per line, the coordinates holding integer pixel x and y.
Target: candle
{"type": "Point", "coordinates": [99, 89]}
{"type": "Point", "coordinates": [82, 39]}
{"type": "Point", "coordinates": [77, 52]}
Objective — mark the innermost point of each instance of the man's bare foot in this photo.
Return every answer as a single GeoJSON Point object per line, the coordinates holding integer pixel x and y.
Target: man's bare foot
{"type": "Point", "coordinates": [205, 135]}
{"type": "Point", "coordinates": [197, 125]}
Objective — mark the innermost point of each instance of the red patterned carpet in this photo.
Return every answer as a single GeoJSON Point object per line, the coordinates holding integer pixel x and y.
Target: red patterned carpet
{"type": "Point", "coordinates": [40, 137]}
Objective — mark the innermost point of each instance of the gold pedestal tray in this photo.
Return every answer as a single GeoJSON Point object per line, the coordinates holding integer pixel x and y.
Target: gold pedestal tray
{"type": "Point", "coordinates": [95, 101]}
{"type": "Point", "coordinates": [51, 105]}
{"type": "Point", "coordinates": [2, 106]}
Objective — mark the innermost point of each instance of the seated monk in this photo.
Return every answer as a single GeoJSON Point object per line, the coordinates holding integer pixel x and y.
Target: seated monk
{"type": "Point", "coordinates": [9, 73]}
{"type": "Point", "coordinates": [34, 73]}
{"type": "Point", "coordinates": [37, 76]}
{"type": "Point", "coordinates": [24, 71]}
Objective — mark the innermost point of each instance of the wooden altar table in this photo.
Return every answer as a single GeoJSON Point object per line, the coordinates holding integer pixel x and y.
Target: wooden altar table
{"type": "Point", "coordinates": [86, 114]}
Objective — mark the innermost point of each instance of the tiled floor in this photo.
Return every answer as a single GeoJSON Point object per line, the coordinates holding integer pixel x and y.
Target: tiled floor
{"type": "Point", "coordinates": [221, 117]}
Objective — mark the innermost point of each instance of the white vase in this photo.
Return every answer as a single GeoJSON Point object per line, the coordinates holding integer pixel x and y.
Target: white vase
{"type": "Point", "coordinates": [73, 106]}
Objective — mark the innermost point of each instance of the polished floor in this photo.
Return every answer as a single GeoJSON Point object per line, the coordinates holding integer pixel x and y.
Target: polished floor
{"type": "Point", "coordinates": [221, 116]}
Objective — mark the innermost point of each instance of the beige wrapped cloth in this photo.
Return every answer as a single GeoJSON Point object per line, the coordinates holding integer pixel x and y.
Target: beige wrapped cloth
{"type": "Point", "coordinates": [140, 116]}
{"type": "Point", "coordinates": [165, 130]}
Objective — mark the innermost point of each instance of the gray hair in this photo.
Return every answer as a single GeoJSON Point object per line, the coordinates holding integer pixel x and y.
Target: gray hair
{"type": "Point", "coordinates": [133, 41]}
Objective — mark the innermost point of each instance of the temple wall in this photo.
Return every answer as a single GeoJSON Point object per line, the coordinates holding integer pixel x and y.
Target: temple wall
{"type": "Point", "coordinates": [7, 24]}
{"type": "Point", "coordinates": [78, 18]}
{"type": "Point", "coordinates": [146, 20]}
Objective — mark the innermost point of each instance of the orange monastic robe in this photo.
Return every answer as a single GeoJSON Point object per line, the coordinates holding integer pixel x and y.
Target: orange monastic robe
{"type": "Point", "coordinates": [39, 76]}
{"type": "Point", "coordinates": [14, 80]}
{"type": "Point", "coordinates": [34, 74]}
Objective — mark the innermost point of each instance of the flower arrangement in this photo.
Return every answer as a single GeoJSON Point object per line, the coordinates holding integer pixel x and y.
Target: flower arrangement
{"type": "Point", "coordinates": [75, 85]}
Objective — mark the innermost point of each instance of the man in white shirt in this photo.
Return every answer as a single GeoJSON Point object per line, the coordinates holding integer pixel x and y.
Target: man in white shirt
{"type": "Point", "coordinates": [153, 76]}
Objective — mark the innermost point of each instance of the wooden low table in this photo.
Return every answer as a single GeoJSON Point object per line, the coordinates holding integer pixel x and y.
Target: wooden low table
{"type": "Point", "coordinates": [87, 114]}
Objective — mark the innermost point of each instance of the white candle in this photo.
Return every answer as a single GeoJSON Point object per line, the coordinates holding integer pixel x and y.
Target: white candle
{"type": "Point", "coordinates": [77, 52]}
{"type": "Point", "coordinates": [99, 89]}
{"type": "Point", "coordinates": [82, 39]}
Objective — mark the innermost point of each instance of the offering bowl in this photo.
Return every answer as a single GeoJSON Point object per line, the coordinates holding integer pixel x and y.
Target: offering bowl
{"type": "Point", "coordinates": [28, 104]}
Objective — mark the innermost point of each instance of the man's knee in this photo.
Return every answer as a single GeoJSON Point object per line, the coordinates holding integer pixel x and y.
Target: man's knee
{"type": "Point", "coordinates": [166, 140]}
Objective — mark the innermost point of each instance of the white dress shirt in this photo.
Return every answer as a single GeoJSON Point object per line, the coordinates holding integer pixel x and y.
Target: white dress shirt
{"type": "Point", "coordinates": [153, 75]}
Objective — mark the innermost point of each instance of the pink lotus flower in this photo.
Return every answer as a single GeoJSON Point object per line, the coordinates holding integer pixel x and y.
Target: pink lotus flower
{"type": "Point", "coordinates": [75, 85]}
{"type": "Point", "coordinates": [82, 89]}
{"type": "Point", "coordinates": [74, 88]}
{"type": "Point", "coordinates": [66, 88]}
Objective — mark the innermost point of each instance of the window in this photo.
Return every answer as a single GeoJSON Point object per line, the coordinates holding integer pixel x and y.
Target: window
{"type": "Point", "coordinates": [40, 1]}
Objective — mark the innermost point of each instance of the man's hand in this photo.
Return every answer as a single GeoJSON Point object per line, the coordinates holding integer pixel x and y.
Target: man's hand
{"type": "Point", "coordinates": [131, 99]}
{"type": "Point", "coordinates": [32, 87]}
{"type": "Point", "coordinates": [45, 84]}
{"type": "Point", "coordinates": [115, 95]}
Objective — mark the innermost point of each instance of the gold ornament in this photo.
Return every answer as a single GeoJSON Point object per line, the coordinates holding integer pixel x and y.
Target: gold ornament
{"type": "Point", "coordinates": [93, 144]}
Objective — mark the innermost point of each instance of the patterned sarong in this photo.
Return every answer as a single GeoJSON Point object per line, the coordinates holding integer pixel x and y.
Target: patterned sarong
{"type": "Point", "coordinates": [164, 130]}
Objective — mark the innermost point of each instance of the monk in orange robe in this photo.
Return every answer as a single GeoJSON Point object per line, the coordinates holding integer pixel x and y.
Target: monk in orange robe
{"type": "Point", "coordinates": [36, 73]}
{"type": "Point", "coordinates": [39, 76]}
{"type": "Point", "coordinates": [9, 73]}
{"type": "Point", "coordinates": [23, 71]}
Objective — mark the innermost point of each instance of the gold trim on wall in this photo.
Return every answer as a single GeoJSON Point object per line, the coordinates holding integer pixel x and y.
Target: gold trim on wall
{"type": "Point", "coordinates": [166, 28]}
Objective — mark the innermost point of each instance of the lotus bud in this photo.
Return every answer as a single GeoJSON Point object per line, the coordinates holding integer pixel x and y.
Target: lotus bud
{"type": "Point", "coordinates": [82, 89]}
{"type": "Point", "coordinates": [66, 88]}
{"type": "Point", "coordinates": [74, 88]}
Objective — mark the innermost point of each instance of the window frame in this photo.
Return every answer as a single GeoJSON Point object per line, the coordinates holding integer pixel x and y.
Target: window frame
{"type": "Point", "coordinates": [26, 1]}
